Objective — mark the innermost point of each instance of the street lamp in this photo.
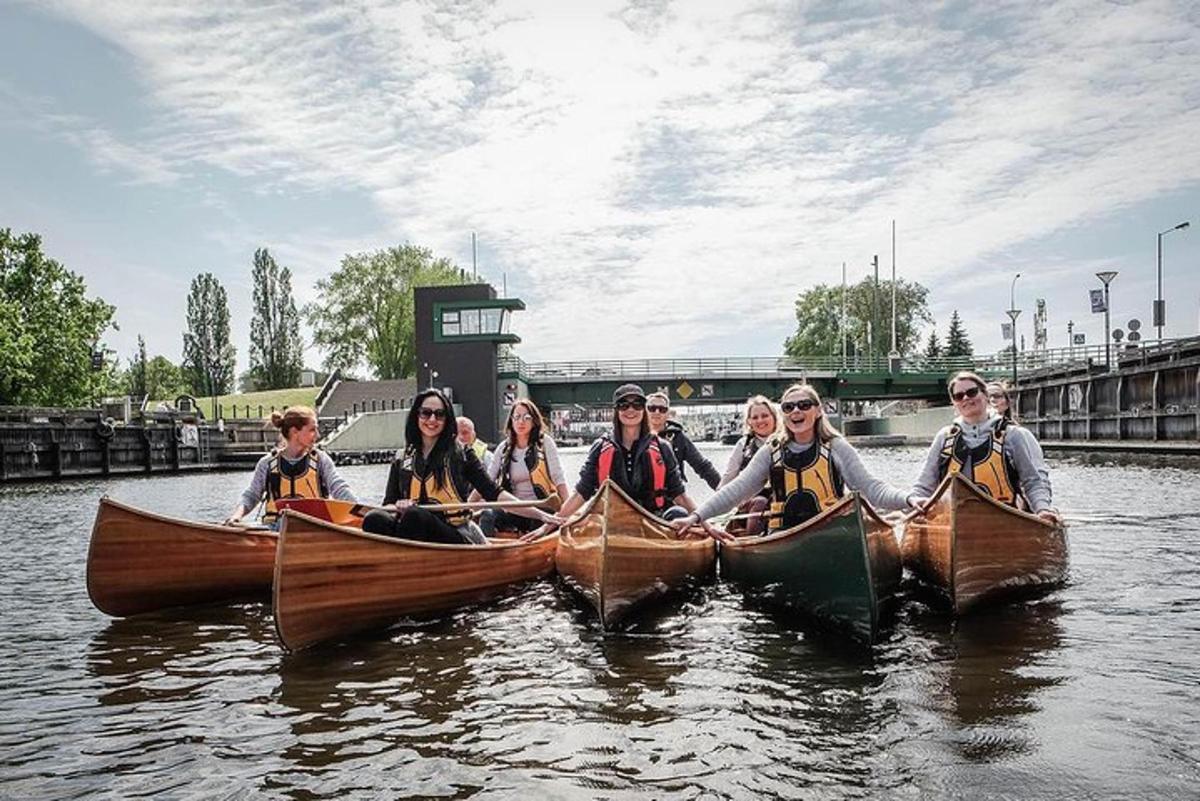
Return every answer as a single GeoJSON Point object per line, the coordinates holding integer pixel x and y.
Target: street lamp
{"type": "Point", "coordinates": [1160, 305]}
{"type": "Point", "coordinates": [1013, 313]}
{"type": "Point", "coordinates": [1107, 276]}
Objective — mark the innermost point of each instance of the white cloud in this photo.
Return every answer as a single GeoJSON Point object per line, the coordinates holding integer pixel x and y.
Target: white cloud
{"type": "Point", "coordinates": [649, 171]}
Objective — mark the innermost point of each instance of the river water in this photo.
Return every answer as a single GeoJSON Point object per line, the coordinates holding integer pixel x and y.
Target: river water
{"type": "Point", "coordinates": [1090, 692]}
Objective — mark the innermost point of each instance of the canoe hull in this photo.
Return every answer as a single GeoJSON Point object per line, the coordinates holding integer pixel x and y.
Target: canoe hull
{"type": "Point", "coordinates": [142, 562]}
{"type": "Point", "coordinates": [331, 580]}
{"type": "Point", "coordinates": [977, 551]}
{"type": "Point", "coordinates": [619, 557]}
{"type": "Point", "coordinates": [841, 568]}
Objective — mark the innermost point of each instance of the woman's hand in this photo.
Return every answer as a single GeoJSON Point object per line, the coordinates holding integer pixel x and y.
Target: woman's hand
{"type": "Point", "coordinates": [1050, 516]}
{"type": "Point", "coordinates": [917, 502]}
{"type": "Point", "coordinates": [682, 524]}
{"type": "Point", "coordinates": [550, 519]}
{"type": "Point", "coordinates": [404, 504]}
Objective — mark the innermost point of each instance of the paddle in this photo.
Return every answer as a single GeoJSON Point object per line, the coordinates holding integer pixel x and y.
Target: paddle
{"type": "Point", "coordinates": [348, 513]}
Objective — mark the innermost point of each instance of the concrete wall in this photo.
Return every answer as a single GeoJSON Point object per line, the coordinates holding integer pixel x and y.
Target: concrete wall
{"type": "Point", "coordinates": [369, 432]}
{"type": "Point", "coordinates": [921, 426]}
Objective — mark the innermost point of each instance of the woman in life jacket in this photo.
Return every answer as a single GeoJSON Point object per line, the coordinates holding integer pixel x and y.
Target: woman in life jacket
{"type": "Point", "coordinates": [760, 423]}
{"type": "Point", "coordinates": [526, 464]}
{"type": "Point", "coordinates": [658, 407]}
{"type": "Point", "coordinates": [294, 469]}
{"type": "Point", "coordinates": [633, 458]}
{"type": "Point", "coordinates": [1000, 400]}
{"type": "Point", "coordinates": [809, 467]}
{"type": "Point", "coordinates": [434, 468]}
{"type": "Point", "coordinates": [1000, 457]}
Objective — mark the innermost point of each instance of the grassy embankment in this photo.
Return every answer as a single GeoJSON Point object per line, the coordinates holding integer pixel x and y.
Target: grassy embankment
{"type": "Point", "coordinates": [234, 406]}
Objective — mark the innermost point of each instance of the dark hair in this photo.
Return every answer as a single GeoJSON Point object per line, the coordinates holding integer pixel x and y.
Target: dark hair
{"type": "Point", "coordinates": [645, 427]}
{"type": "Point", "coordinates": [535, 433]}
{"type": "Point", "coordinates": [292, 417]}
{"type": "Point", "coordinates": [439, 457]}
{"type": "Point", "coordinates": [825, 430]}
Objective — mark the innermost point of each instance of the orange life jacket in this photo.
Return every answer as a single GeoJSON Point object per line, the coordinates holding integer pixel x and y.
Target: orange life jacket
{"type": "Point", "coordinates": [658, 470]}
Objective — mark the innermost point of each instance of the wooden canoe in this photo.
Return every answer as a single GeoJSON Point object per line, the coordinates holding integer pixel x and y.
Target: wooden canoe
{"type": "Point", "coordinates": [333, 580]}
{"type": "Point", "coordinates": [343, 513]}
{"type": "Point", "coordinates": [974, 549]}
{"type": "Point", "coordinates": [140, 562]}
{"type": "Point", "coordinates": [618, 555]}
{"type": "Point", "coordinates": [840, 568]}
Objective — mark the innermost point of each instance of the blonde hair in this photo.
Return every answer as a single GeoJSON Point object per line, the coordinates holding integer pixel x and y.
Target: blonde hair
{"type": "Point", "coordinates": [760, 400]}
{"type": "Point", "coordinates": [965, 375]}
{"type": "Point", "coordinates": [293, 417]}
{"type": "Point", "coordinates": [825, 430]}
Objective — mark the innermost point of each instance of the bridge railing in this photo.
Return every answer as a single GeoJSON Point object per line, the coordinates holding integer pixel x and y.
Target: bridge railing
{"type": "Point", "coordinates": [776, 367]}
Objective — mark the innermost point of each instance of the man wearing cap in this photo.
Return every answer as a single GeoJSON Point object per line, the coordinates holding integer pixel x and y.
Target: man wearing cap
{"type": "Point", "coordinates": [633, 458]}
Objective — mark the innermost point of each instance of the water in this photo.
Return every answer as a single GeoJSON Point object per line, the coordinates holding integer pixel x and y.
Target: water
{"type": "Point", "coordinates": [1089, 692]}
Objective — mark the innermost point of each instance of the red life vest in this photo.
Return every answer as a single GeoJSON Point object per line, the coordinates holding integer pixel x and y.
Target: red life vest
{"type": "Point", "coordinates": [658, 470]}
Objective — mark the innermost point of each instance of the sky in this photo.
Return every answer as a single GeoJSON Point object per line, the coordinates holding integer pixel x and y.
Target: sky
{"type": "Point", "coordinates": [653, 178]}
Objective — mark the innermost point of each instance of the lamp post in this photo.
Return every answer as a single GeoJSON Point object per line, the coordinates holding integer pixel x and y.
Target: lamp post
{"type": "Point", "coordinates": [1013, 313]}
{"type": "Point", "coordinates": [1160, 305]}
{"type": "Point", "coordinates": [1107, 276]}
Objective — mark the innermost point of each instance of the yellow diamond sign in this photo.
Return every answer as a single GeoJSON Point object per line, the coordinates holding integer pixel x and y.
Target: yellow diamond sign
{"type": "Point", "coordinates": [684, 390]}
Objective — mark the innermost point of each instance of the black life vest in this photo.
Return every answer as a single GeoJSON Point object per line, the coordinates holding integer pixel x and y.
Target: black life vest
{"type": "Point", "coordinates": [802, 484]}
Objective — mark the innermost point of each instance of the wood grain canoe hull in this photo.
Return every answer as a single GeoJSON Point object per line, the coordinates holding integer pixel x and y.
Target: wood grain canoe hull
{"type": "Point", "coordinates": [840, 568]}
{"type": "Point", "coordinates": [975, 550]}
{"type": "Point", "coordinates": [142, 562]}
{"type": "Point", "coordinates": [332, 580]}
{"type": "Point", "coordinates": [619, 556]}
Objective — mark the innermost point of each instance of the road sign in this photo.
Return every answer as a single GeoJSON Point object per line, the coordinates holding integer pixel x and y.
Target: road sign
{"type": "Point", "coordinates": [1118, 335]}
{"type": "Point", "coordinates": [684, 390]}
{"type": "Point", "coordinates": [706, 390]}
{"type": "Point", "coordinates": [1078, 339]}
{"type": "Point", "coordinates": [1134, 324]}
{"type": "Point", "coordinates": [510, 398]}
{"type": "Point", "coordinates": [1134, 336]}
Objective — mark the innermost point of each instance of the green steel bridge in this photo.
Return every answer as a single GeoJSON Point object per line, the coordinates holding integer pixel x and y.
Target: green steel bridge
{"type": "Point", "coordinates": [732, 379]}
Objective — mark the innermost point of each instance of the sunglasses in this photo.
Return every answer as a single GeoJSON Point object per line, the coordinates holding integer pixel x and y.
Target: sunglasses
{"type": "Point", "coordinates": [997, 397]}
{"type": "Point", "coordinates": [657, 409]}
{"type": "Point", "coordinates": [425, 413]}
{"type": "Point", "coordinates": [966, 393]}
{"type": "Point", "coordinates": [522, 418]}
{"type": "Point", "coordinates": [803, 405]}
{"type": "Point", "coordinates": [636, 403]}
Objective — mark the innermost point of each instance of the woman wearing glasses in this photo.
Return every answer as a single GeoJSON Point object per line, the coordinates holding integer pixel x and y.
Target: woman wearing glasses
{"type": "Point", "coordinates": [1000, 400]}
{"type": "Point", "coordinates": [658, 407]}
{"type": "Point", "coordinates": [1000, 457]}
{"type": "Point", "coordinates": [526, 464]}
{"type": "Point", "coordinates": [761, 422]}
{"type": "Point", "coordinates": [434, 469]}
{"type": "Point", "coordinates": [635, 459]}
{"type": "Point", "coordinates": [808, 467]}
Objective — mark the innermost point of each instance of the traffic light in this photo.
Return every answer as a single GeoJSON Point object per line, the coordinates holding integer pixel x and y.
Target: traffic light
{"type": "Point", "coordinates": [97, 361]}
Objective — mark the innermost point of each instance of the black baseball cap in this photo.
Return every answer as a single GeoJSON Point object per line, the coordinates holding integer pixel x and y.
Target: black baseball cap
{"type": "Point", "coordinates": [625, 390]}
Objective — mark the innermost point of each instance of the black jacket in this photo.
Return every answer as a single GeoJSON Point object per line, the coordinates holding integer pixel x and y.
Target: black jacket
{"type": "Point", "coordinates": [466, 471]}
{"type": "Point", "coordinates": [687, 453]}
{"type": "Point", "coordinates": [638, 484]}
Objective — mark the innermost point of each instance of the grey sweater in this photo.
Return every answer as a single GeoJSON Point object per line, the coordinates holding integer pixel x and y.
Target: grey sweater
{"type": "Point", "coordinates": [1020, 446]}
{"type": "Point", "coordinates": [337, 486]}
{"type": "Point", "coordinates": [750, 481]}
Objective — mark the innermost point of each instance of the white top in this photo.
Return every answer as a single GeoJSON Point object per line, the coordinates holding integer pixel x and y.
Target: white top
{"type": "Point", "coordinates": [522, 486]}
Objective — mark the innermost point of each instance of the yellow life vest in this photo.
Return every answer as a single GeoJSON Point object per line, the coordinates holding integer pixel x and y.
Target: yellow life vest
{"type": "Point", "coordinates": [308, 483]}
{"type": "Point", "coordinates": [425, 489]}
{"type": "Point", "coordinates": [539, 471]}
{"type": "Point", "coordinates": [802, 484]}
{"type": "Point", "coordinates": [984, 465]}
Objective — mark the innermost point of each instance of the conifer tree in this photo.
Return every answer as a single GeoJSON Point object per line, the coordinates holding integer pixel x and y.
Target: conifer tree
{"type": "Point", "coordinates": [957, 343]}
{"type": "Point", "coordinates": [933, 348]}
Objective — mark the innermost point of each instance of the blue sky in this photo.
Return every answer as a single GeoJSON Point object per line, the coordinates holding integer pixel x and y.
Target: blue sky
{"type": "Point", "coordinates": [652, 178]}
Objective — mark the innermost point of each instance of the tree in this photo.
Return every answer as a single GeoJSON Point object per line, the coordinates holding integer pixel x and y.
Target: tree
{"type": "Point", "coordinates": [957, 343]}
{"type": "Point", "coordinates": [164, 379]}
{"type": "Point", "coordinates": [933, 349]}
{"type": "Point", "coordinates": [48, 328]}
{"type": "Point", "coordinates": [208, 355]}
{"type": "Point", "coordinates": [276, 351]}
{"type": "Point", "coordinates": [819, 313]}
{"type": "Point", "coordinates": [365, 309]}
{"type": "Point", "coordinates": [136, 377]}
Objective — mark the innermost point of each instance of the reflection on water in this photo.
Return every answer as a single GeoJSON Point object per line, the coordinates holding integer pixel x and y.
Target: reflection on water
{"type": "Point", "coordinates": [1088, 692]}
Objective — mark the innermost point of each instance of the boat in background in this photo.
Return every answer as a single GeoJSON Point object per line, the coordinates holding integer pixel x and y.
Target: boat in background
{"type": "Point", "coordinates": [975, 550]}
{"type": "Point", "coordinates": [331, 580]}
{"type": "Point", "coordinates": [139, 561]}
{"type": "Point", "coordinates": [841, 568]}
{"type": "Point", "coordinates": [619, 556]}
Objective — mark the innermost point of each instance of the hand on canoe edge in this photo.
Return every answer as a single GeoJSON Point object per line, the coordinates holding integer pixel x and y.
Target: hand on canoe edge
{"type": "Point", "coordinates": [553, 523]}
{"type": "Point", "coordinates": [1051, 516]}
{"type": "Point", "coordinates": [684, 525]}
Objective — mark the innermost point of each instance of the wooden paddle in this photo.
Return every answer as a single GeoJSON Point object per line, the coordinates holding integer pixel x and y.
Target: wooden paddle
{"type": "Point", "coordinates": [347, 513]}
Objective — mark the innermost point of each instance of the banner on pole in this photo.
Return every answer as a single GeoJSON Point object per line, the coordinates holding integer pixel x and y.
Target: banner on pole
{"type": "Point", "coordinates": [1006, 330]}
{"type": "Point", "coordinates": [1097, 296]}
{"type": "Point", "coordinates": [1078, 339]}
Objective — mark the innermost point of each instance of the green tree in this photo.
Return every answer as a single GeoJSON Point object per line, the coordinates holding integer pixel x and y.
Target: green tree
{"type": "Point", "coordinates": [957, 343]}
{"type": "Point", "coordinates": [48, 328]}
{"type": "Point", "coordinates": [208, 353]}
{"type": "Point", "coordinates": [365, 310]}
{"type": "Point", "coordinates": [164, 379]}
{"type": "Point", "coordinates": [276, 351]}
{"type": "Point", "coordinates": [819, 324]}
{"type": "Point", "coordinates": [933, 348]}
{"type": "Point", "coordinates": [136, 377]}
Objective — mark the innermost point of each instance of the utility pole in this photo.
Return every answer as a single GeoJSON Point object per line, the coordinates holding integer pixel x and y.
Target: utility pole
{"type": "Point", "coordinates": [894, 353]}
{"type": "Point", "coordinates": [843, 326]}
{"type": "Point", "coordinates": [474, 257]}
{"type": "Point", "coordinates": [874, 305]}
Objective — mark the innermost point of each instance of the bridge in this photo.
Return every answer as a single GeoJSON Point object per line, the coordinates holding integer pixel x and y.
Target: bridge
{"type": "Point", "coordinates": [732, 379]}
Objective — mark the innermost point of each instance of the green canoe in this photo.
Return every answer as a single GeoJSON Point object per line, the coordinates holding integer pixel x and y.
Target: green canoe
{"type": "Point", "coordinates": [838, 568]}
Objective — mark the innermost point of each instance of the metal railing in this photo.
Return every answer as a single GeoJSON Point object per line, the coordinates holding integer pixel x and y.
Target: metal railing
{"type": "Point", "coordinates": [783, 366]}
